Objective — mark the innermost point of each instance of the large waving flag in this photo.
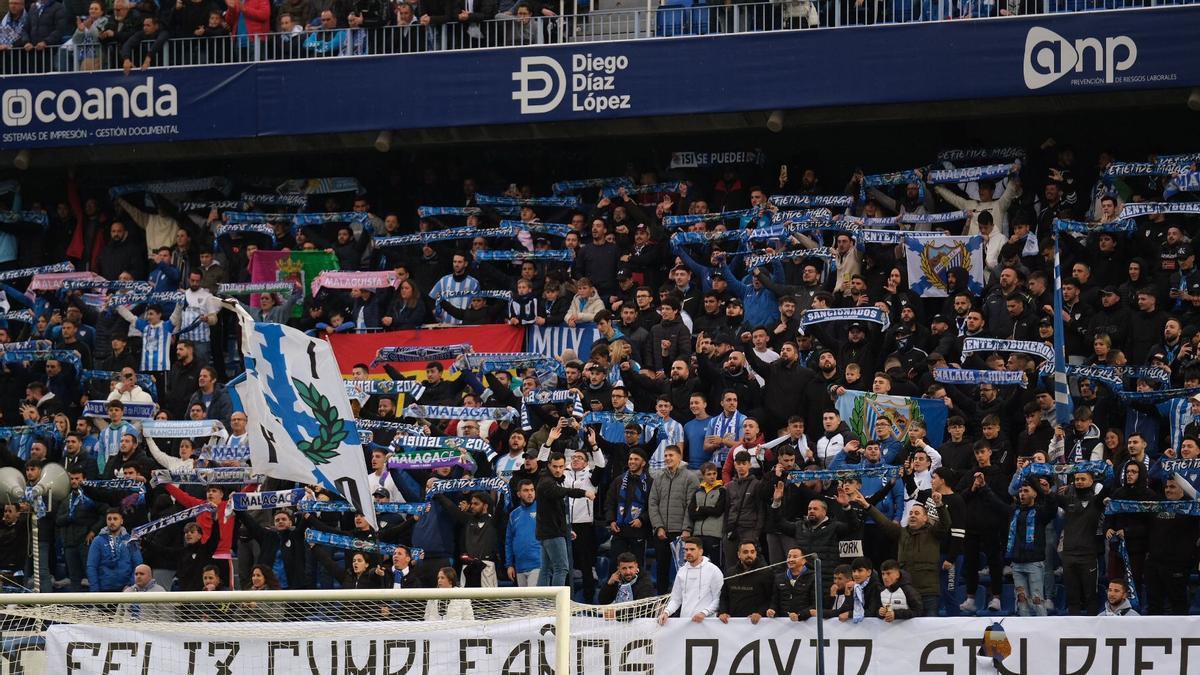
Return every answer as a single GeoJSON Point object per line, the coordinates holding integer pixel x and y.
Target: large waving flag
{"type": "Point", "coordinates": [860, 410]}
{"type": "Point", "coordinates": [930, 260]}
{"type": "Point", "coordinates": [300, 423]}
{"type": "Point", "coordinates": [297, 267]}
{"type": "Point", "coordinates": [1064, 407]}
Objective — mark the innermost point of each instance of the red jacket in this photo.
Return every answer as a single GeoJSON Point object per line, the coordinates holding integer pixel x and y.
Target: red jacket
{"type": "Point", "coordinates": [224, 516]}
{"type": "Point", "coordinates": [257, 15]}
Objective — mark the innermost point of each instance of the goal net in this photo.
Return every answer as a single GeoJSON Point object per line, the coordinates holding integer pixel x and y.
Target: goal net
{"type": "Point", "coordinates": [529, 631]}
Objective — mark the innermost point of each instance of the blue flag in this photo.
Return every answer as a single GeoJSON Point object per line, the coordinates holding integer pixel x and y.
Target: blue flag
{"type": "Point", "coordinates": [1064, 407]}
{"type": "Point", "coordinates": [861, 409]}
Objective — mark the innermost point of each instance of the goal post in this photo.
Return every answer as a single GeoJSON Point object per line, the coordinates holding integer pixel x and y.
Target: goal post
{"type": "Point", "coordinates": [377, 632]}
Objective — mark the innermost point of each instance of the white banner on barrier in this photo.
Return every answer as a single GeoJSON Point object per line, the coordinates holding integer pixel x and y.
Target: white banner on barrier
{"type": "Point", "coordinates": [1068, 646]}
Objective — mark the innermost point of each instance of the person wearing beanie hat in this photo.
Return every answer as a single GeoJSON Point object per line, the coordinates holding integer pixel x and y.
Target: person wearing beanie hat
{"type": "Point", "coordinates": [627, 508]}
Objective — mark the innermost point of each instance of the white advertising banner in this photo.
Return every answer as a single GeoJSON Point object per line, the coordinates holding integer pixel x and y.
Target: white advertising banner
{"type": "Point", "coordinates": [1053, 645]}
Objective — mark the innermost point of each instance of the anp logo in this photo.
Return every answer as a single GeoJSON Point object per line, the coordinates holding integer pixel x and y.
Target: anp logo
{"type": "Point", "coordinates": [547, 72]}
{"type": "Point", "coordinates": [1049, 56]}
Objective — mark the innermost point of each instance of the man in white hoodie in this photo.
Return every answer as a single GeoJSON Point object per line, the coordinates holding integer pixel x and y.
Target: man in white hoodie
{"type": "Point", "coordinates": [697, 589]}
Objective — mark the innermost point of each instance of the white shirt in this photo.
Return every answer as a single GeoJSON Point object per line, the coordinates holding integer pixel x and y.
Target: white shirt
{"type": "Point", "coordinates": [697, 589]}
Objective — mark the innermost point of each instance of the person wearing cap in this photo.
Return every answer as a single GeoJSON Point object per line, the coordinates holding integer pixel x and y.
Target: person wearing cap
{"type": "Point", "coordinates": [626, 288]}
{"type": "Point", "coordinates": [1112, 318]}
{"type": "Point", "coordinates": [627, 507]}
{"type": "Point", "coordinates": [856, 348]}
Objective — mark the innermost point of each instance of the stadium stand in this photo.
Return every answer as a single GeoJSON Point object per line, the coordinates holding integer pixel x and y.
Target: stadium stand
{"type": "Point", "coordinates": [755, 360]}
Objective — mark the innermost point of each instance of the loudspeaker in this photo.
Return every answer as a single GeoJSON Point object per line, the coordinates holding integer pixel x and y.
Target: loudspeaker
{"type": "Point", "coordinates": [55, 482]}
{"type": "Point", "coordinates": [12, 485]}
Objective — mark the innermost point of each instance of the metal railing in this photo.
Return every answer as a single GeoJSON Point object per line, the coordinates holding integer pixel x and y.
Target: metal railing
{"type": "Point", "coordinates": [570, 25]}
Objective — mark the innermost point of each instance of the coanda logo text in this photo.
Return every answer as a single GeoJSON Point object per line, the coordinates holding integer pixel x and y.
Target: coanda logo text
{"type": "Point", "coordinates": [19, 107]}
{"type": "Point", "coordinates": [1049, 56]}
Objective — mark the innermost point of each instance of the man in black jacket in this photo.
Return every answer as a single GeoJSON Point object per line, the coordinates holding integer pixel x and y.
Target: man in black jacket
{"type": "Point", "coordinates": [1083, 506]}
{"type": "Point", "coordinates": [78, 519]}
{"type": "Point", "coordinates": [627, 584]}
{"type": "Point", "coordinates": [986, 528]}
{"type": "Point", "coordinates": [793, 593]}
{"type": "Point", "coordinates": [283, 548]}
{"type": "Point", "coordinates": [552, 529]}
{"type": "Point", "coordinates": [748, 587]}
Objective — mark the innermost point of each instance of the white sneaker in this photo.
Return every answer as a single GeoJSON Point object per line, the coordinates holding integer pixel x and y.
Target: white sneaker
{"type": "Point", "coordinates": [1049, 605]}
{"type": "Point", "coordinates": [968, 605]}
{"type": "Point", "coordinates": [1008, 570]}
{"type": "Point", "coordinates": [993, 605]}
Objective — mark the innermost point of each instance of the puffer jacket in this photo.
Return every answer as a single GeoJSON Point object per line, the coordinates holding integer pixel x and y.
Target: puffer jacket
{"type": "Point", "coordinates": [919, 551]}
{"type": "Point", "coordinates": [744, 509]}
{"type": "Point", "coordinates": [669, 495]}
{"type": "Point", "coordinates": [824, 537]}
{"type": "Point", "coordinates": [111, 560]}
{"type": "Point", "coordinates": [707, 510]}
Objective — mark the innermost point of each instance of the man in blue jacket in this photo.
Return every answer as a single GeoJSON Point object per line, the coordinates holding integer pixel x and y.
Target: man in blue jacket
{"type": "Point", "coordinates": [522, 550]}
{"type": "Point", "coordinates": [112, 556]}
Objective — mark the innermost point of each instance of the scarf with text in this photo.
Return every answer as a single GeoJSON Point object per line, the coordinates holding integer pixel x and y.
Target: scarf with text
{"type": "Point", "coordinates": [671, 222]}
{"type": "Point", "coordinates": [320, 186]}
{"type": "Point", "coordinates": [363, 388]}
{"type": "Point", "coordinates": [173, 519]}
{"type": "Point", "coordinates": [430, 211]}
{"type": "Point", "coordinates": [404, 354]}
{"type": "Point", "coordinates": [32, 217]}
{"type": "Point", "coordinates": [610, 417]}
{"type": "Point", "coordinates": [261, 501]}
{"type": "Point", "coordinates": [226, 475]}
{"type": "Point", "coordinates": [128, 484]}
{"type": "Point", "coordinates": [812, 201]}
{"type": "Point", "coordinates": [1139, 209]}
{"type": "Point", "coordinates": [31, 346]}
{"type": "Point", "coordinates": [133, 411]}
{"type": "Point", "coordinates": [1044, 351]}
{"type": "Point", "coordinates": [969, 174]}
{"type": "Point", "coordinates": [469, 485]}
{"type": "Point", "coordinates": [385, 425]}
{"type": "Point", "coordinates": [34, 271]}
{"type": "Point", "coordinates": [431, 459]}
{"type": "Point", "coordinates": [875, 180]}
{"type": "Point", "coordinates": [344, 280]}
{"type": "Point", "coordinates": [226, 453]}
{"type": "Point", "coordinates": [448, 412]}
{"type": "Point", "coordinates": [886, 473]}
{"type": "Point", "coordinates": [52, 281]}
{"type": "Point", "coordinates": [1009, 153]}
{"type": "Point", "coordinates": [172, 187]}
{"type": "Point", "coordinates": [294, 200]}
{"type": "Point", "coordinates": [1116, 226]}
{"type": "Point", "coordinates": [565, 186]}
{"type": "Point", "coordinates": [564, 201]}
{"type": "Point", "coordinates": [180, 428]}
{"type": "Point", "coordinates": [277, 287]}
{"type": "Point", "coordinates": [402, 508]}
{"type": "Point", "coordinates": [1184, 507]}
{"type": "Point", "coordinates": [1156, 395]}
{"type": "Point", "coordinates": [565, 255]}
{"type": "Point", "coordinates": [872, 314]}
{"type": "Point", "coordinates": [448, 234]}
{"type": "Point", "coordinates": [611, 191]}
{"type": "Point", "coordinates": [969, 376]}
{"type": "Point", "coordinates": [456, 443]}
{"type": "Point", "coordinates": [345, 541]}
{"type": "Point", "coordinates": [823, 253]}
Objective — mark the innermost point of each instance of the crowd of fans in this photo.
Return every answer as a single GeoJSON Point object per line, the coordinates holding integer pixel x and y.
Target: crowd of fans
{"type": "Point", "coordinates": [63, 35]}
{"type": "Point", "coordinates": [733, 395]}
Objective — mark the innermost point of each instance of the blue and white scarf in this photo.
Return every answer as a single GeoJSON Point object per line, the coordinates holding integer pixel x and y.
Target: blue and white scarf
{"type": "Point", "coordinates": [223, 205]}
{"type": "Point", "coordinates": [404, 354]}
{"type": "Point", "coordinates": [812, 317]}
{"type": "Point", "coordinates": [978, 344]}
{"type": "Point", "coordinates": [891, 178]}
{"type": "Point", "coordinates": [543, 397]}
{"type": "Point", "coordinates": [129, 299]}
{"type": "Point", "coordinates": [458, 443]}
{"type": "Point", "coordinates": [469, 485]}
{"type": "Point", "coordinates": [173, 519]}
{"type": "Point", "coordinates": [565, 186]}
{"type": "Point", "coordinates": [105, 285]}
{"type": "Point", "coordinates": [64, 355]}
{"type": "Point", "coordinates": [447, 412]}
{"type": "Point", "coordinates": [496, 200]}
{"type": "Point", "coordinates": [703, 238]}
{"type": "Point", "coordinates": [1186, 507]}
{"type": "Point", "coordinates": [556, 229]}
{"type": "Point", "coordinates": [292, 199]}
{"type": "Point", "coordinates": [226, 453]}
{"type": "Point", "coordinates": [33, 217]}
{"type": "Point", "coordinates": [486, 295]}
{"type": "Point", "coordinates": [509, 360]}
{"type": "Point", "coordinates": [1156, 395]}
{"type": "Point", "coordinates": [117, 484]}
{"type": "Point", "coordinates": [1094, 467]}
{"type": "Point", "coordinates": [34, 271]}
{"type": "Point", "coordinates": [969, 376]}
{"type": "Point", "coordinates": [431, 459]}
{"type": "Point", "coordinates": [564, 255]}
{"type": "Point", "coordinates": [629, 507]}
{"type": "Point", "coordinates": [706, 159]}
{"type": "Point", "coordinates": [31, 346]}
{"type": "Point", "coordinates": [180, 428]}
{"type": "Point", "coordinates": [448, 234]}
{"type": "Point", "coordinates": [41, 429]}
{"type": "Point", "coordinates": [430, 211]}
{"type": "Point", "coordinates": [823, 253]}
{"type": "Point", "coordinates": [303, 219]}
{"type": "Point", "coordinates": [1106, 375]}
{"type": "Point", "coordinates": [1029, 530]}
{"type": "Point", "coordinates": [1123, 551]}
{"type": "Point", "coordinates": [402, 508]}
{"type": "Point", "coordinates": [885, 473]}
{"type": "Point", "coordinates": [385, 425]}
{"type": "Point", "coordinates": [133, 411]}
{"type": "Point", "coordinates": [320, 186]}
{"type": "Point", "coordinates": [977, 154]}
{"type": "Point", "coordinates": [225, 475]}
{"type": "Point", "coordinates": [858, 613]}
{"type": "Point", "coordinates": [671, 222]}
{"type": "Point", "coordinates": [812, 201]}
{"type": "Point", "coordinates": [223, 229]}
{"type": "Point", "coordinates": [344, 541]}
{"type": "Point", "coordinates": [364, 388]}
{"type": "Point", "coordinates": [809, 216]}
{"type": "Point", "coordinates": [1139, 209]}
{"type": "Point", "coordinates": [22, 315]}
{"type": "Point", "coordinates": [261, 501]}
{"type": "Point", "coordinates": [1116, 226]}
{"type": "Point", "coordinates": [1184, 181]}
{"type": "Point", "coordinates": [932, 218]}
{"type": "Point", "coordinates": [612, 191]}
{"type": "Point", "coordinates": [606, 417]}
{"type": "Point", "coordinates": [171, 187]}
{"type": "Point", "coordinates": [968, 174]}
{"type": "Point", "coordinates": [278, 287]}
